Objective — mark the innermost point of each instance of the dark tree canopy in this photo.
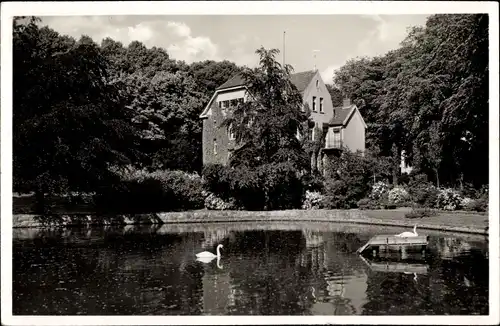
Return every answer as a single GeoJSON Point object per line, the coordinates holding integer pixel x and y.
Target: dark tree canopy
{"type": "Point", "coordinates": [70, 124]}
{"type": "Point", "coordinates": [429, 98]}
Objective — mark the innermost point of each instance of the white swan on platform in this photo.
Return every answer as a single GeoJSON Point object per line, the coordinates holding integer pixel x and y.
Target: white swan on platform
{"type": "Point", "coordinates": [414, 275]}
{"type": "Point", "coordinates": [409, 234]}
{"type": "Point", "coordinates": [208, 254]}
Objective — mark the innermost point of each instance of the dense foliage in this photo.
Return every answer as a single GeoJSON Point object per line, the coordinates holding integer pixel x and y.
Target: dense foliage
{"type": "Point", "coordinates": [142, 192]}
{"type": "Point", "coordinates": [84, 113]}
{"type": "Point", "coordinates": [268, 186]}
{"type": "Point", "coordinates": [429, 98]}
{"type": "Point", "coordinates": [69, 120]}
{"type": "Point", "coordinates": [82, 110]}
{"type": "Point", "coordinates": [266, 126]}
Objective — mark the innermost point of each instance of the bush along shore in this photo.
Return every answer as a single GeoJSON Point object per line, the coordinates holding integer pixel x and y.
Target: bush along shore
{"type": "Point", "coordinates": [224, 194]}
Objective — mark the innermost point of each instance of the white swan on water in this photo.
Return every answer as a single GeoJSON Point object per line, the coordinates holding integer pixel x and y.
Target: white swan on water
{"type": "Point", "coordinates": [208, 254]}
{"type": "Point", "coordinates": [409, 234]}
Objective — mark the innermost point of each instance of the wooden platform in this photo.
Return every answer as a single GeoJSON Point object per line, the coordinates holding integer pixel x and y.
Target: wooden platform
{"type": "Point", "coordinates": [388, 241]}
{"type": "Point", "coordinates": [396, 267]}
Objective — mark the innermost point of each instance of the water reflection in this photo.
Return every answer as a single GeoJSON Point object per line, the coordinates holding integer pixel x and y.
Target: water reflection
{"type": "Point", "coordinates": [265, 269]}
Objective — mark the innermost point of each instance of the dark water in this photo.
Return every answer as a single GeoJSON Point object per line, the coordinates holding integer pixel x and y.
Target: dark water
{"type": "Point", "coordinates": [265, 269]}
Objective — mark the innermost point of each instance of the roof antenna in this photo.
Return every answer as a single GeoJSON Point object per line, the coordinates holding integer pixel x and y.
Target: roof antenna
{"type": "Point", "coordinates": [284, 34]}
{"type": "Point", "coordinates": [315, 51]}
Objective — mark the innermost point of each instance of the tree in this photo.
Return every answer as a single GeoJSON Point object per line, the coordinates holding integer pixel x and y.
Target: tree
{"type": "Point", "coordinates": [436, 80]}
{"type": "Point", "coordinates": [335, 94]}
{"type": "Point", "coordinates": [266, 126]}
{"type": "Point", "coordinates": [70, 124]}
{"type": "Point", "coordinates": [211, 74]}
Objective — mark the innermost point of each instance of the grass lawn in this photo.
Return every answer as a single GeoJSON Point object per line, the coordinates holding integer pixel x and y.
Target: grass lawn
{"type": "Point", "coordinates": [445, 218]}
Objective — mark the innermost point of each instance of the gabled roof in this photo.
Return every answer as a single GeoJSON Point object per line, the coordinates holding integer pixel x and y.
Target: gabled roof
{"type": "Point", "coordinates": [301, 80]}
{"type": "Point", "coordinates": [236, 80]}
{"type": "Point", "coordinates": [342, 115]}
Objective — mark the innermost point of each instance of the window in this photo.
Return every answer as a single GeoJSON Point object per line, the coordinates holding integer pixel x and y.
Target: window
{"type": "Point", "coordinates": [314, 103]}
{"type": "Point", "coordinates": [220, 104]}
{"type": "Point", "coordinates": [317, 84]}
{"type": "Point", "coordinates": [321, 105]}
{"type": "Point", "coordinates": [240, 100]}
{"type": "Point", "coordinates": [231, 133]}
{"type": "Point", "coordinates": [215, 147]}
{"type": "Point", "coordinates": [336, 138]}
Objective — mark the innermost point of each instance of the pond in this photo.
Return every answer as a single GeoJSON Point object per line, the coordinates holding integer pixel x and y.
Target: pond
{"type": "Point", "coordinates": [265, 269]}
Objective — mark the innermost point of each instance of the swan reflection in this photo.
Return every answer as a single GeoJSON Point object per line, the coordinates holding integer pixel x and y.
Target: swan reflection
{"type": "Point", "coordinates": [207, 260]}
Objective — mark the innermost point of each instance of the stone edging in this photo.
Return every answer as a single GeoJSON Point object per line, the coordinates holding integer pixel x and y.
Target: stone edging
{"type": "Point", "coordinates": [204, 216]}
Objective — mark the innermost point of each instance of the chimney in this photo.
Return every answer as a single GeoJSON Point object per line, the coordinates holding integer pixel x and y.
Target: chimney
{"type": "Point", "coordinates": [346, 103]}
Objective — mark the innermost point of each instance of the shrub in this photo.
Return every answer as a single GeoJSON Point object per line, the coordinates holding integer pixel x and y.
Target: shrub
{"type": "Point", "coordinates": [449, 199]}
{"type": "Point", "coordinates": [313, 182]}
{"type": "Point", "coordinates": [421, 213]}
{"type": "Point", "coordinates": [379, 190]}
{"type": "Point", "coordinates": [423, 193]}
{"type": "Point", "coordinates": [282, 186]}
{"type": "Point", "coordinates": [213, 202]}
{"type": "Point", "coordinates": [142, 191]}
{"type": "Point", "coordinates": [349, 181]}
{"type": "Point", "coordinates": [217, 180]}
{"type": "Point", "coordinates": [467, 203]}
{"type": "Point", "coordinates": [404, 178]}
{"type": "Point", "coordinates": [398, 195]}
{"type": "Point", "coordinates": [270, 186]}
{"type": "Point", "coordinates": [367, 203]}
{"type": "Point", "coordinates": [480, 205]}
{"type": "Point", "coordinates": [313, 200]}
{"type": "Point", "coordinates": [337, 195]}
{"type": "Point", "coordinates": [477, 205]}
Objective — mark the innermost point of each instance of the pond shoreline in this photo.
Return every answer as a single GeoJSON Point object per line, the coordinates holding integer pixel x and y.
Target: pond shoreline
{"type": "Point", "coordinates": [452, 222]}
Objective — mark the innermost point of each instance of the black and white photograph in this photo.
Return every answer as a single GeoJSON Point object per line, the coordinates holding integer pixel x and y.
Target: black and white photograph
{"type": "Point", "coordinates": [239, 162]}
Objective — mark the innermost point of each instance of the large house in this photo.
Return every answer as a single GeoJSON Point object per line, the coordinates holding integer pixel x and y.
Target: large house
{"type": "Point", "coordinates": [342, 127]}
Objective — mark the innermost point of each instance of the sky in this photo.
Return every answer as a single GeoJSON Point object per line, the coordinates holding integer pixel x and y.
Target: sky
{"type": "Point", "coordinates": [322, 41]}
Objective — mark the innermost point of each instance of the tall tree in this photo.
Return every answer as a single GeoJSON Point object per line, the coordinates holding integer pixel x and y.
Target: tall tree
{"type": "Point", "coordinates": [436, 82]}
{"type": "Point", "coordinates": [70, 124]}
{"type": "Point", "coordinates": [266, 126]}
